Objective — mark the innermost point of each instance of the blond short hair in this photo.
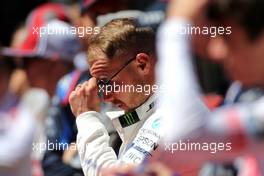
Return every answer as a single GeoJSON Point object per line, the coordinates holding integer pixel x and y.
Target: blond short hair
{"type": "Point", "coordinates": [121, 37]}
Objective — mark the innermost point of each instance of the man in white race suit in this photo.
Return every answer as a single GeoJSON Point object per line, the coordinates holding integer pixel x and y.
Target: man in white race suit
{"type": "Point", "coordinates": [122, 59]}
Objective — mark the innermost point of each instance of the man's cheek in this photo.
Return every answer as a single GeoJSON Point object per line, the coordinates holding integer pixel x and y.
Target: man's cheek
{"type": "Point", "coordinates": [122, 97]}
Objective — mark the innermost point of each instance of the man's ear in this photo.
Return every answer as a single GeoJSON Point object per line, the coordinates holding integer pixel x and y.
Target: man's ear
{"type": "Point", "coordinates": [143, 62]}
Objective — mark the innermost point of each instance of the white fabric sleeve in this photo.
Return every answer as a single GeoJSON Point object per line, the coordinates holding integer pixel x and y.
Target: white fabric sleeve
{"type": "Point", "coordinates": [185, 114]}
{"type": "Point", "coordinates": [93, 144]}
{"type": "Point", "coordinates": [16, 142]}
{"type": "Point", "coordinates": [180, 94]}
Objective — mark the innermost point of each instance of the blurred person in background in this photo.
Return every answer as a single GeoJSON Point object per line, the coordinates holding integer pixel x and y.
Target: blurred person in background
{"type": "Point", "coordinates": [238, 92]}
{"type": "Point", "coordinates": [18, 82]}
{"type": "Point", "coordinates": [42, 46]}
{"type": "Point", "coordinates": [245, 80]}
{"type": "Point", "coordinates": [99, 12]}
{"type": "Point", "coordinates": [91, 9]}
{"type": "Point", "coordinates": [17, 127]}
{"type": "Point", "coordinates": [211, 48]}
{"type": "Point", "coordinates": [240, 124]}
{"type": "Point", "coordinates": [46, 57]}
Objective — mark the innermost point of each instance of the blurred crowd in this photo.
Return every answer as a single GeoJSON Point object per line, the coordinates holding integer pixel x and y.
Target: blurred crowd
{"type": "Point", "coordinates": [208, 120]}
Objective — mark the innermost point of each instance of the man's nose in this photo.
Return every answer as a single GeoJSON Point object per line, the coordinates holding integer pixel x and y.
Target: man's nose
{"type": "Point", "coordinates": [108, 97]}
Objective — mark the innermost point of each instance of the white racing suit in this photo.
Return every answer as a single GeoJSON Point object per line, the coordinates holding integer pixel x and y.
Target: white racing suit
{"type": "Point", "coordinates": [139, 130]}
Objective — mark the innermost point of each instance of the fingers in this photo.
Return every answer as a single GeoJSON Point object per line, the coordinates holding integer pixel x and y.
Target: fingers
{"type": "Point", "coordinates": [84, 98]}
{"type": "Point", "coordinates": [99, 66]}
{"type": "Point", "coordinates": [90, 87]}
{"type": "Point", "coordinates": [78, 87]}
{"type": "Point", "coordinates": [73, 102]}
{"type": "Point", "coordinates": [76, 99]}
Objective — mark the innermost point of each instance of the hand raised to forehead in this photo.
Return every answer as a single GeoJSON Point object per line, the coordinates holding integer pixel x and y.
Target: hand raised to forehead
{"type": "Point", "coordinates": [99, 67]}
{"type": "Point", "coordinates": [84, 98]}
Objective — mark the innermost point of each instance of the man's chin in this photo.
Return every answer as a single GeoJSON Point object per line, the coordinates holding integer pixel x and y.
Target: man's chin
{"type": "Point", "coordinates": [123, 107]}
